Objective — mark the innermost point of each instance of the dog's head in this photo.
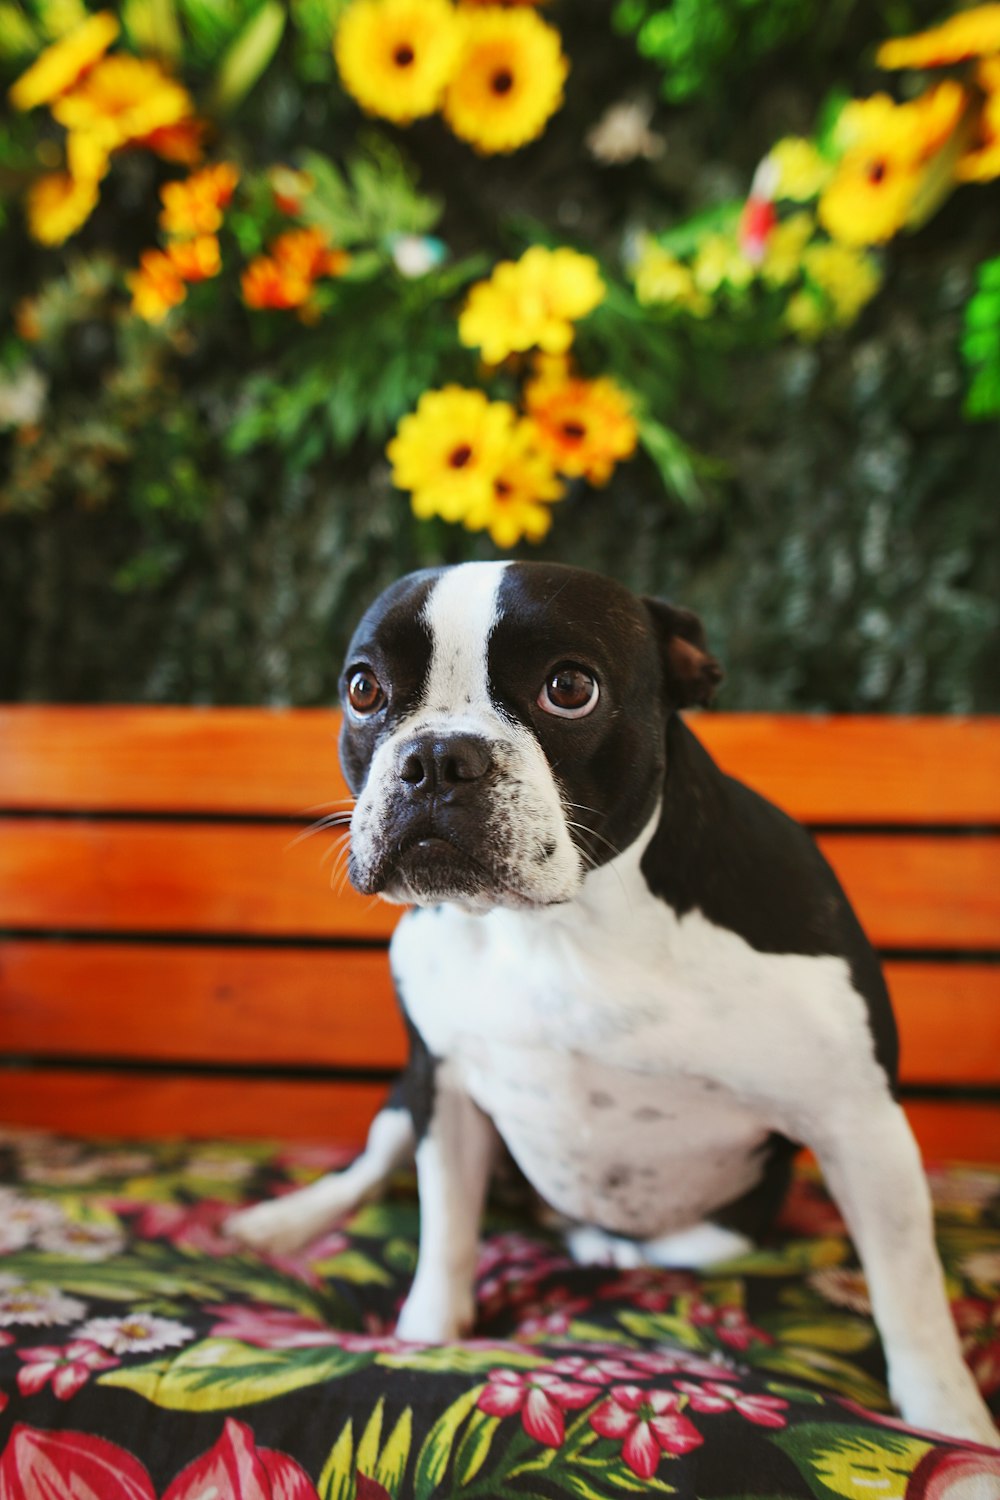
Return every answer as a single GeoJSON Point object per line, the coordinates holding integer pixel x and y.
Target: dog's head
{"type": "Point", "coordinates": [504, 729]}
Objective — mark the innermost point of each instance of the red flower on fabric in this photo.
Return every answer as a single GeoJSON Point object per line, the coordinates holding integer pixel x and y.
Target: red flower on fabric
{"type": "Point", "coordinates": [979, 1324]}
{"type": "Point", "coordinates": [649, 1288]}
{"type": "Point", "coordinates": [73, 1464]}
{"type": "Point", "coordinates": [649, 1423]}
{"type": "Point", "coordinates": [551, 1314]}
{"type": "Point", "coordinates": [764, 1411]}
{"type": "Point", "coordinates": [68, 1367]}
{"type": "Point", "coordinates": [234, 1468]}
{"type": "Point", "coordinates": [730, 1324]}
{"type": "Point", "coordinates": [540, 1396]}
{"type": "Point", "coordinates": [272, 1327]}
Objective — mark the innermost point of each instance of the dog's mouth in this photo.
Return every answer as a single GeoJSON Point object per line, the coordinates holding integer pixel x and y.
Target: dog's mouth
{"type": "Point", "coordinates": [427, 865]}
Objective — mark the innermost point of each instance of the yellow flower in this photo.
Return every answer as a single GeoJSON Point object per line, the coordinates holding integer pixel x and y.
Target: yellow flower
{"type": "Point", "coordinates": [508, 80]}
{"type": "Point", "coordinates": [880, 182]}
{"type": "Point", "coordinates": [982, 161]}
{"type": "Point", "coordinates": [156, 287]}
{"type": "Point", "coordinates": [58, 204]}
{"type": "Point", "coordinates": [60, 66]}
{"type": "Point", "coordinates": [660, 278]}
{"type": "Point", "coordinates": [783, 252]}
{"type": "Point", "coordinates": [530, 303]}
{"type": "Point", "coordinates": [848, 277]}
{"type": "Point", "coordinates": [396, 56]}
{"type": "Point", "coordinates": [719, 259]}
{"type": "Point", "coordinates": [196, 259]}
{"type": "Point", "coordinates": [524, 488]}
{"type": "Point", "coordinates": [585, 426]}
{"type": "Point", "coordinates": [194, 205]}
{"type": "Point", "coordinates": [800, 171]}
{"type": "Point", "coordinates": [971, 33]}
{"type": "Point", "coordinates": [122, 99]}
{"type": "Point", "coordinates": [450, 450]}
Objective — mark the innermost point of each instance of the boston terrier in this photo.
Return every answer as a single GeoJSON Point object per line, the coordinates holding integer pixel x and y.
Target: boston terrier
{"type": "Point", "coordinates": [633, 971]}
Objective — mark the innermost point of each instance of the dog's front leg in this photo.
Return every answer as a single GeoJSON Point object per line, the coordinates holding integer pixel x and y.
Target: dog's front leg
{"type": "Point", "coordinates": [454, 1160]}
{"type": "Point", "coordinates": [873, 1168]}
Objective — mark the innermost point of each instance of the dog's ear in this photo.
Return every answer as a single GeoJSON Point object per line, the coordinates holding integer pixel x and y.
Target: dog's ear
{"type": "Point", "coordinates": [691, 673]}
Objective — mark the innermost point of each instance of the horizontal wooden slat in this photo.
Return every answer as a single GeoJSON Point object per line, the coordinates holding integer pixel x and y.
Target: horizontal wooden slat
{"type": "Point", "coordinates": [821, 768]}
{"type": "Point", "coordinates": [286, 1007]}
{"type": "Point", "coordinates": [200, 1004]}
{"type": "Point", "coordinates": [115, 1104]}
{"type": "Point", "coordinates": [156, 877]}
{"type": "Point", "coordinates": [916, 892]}
{"type": "Point", "coordinates": [949, 1021]}
{"type": "Point", "coordinates": [910, 891]}
{"type": "Point", "coordinates": [955, 1131]}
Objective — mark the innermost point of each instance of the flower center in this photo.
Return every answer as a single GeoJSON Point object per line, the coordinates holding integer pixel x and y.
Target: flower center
{"type": "Point", "coordinates": [876, 172]}
{"type": "Point", "coordinates": [502, 489]}
{"type": "Point", "coordinates": [502, 81]}
{"type": "Point", "coordinates": [403, 56]}
{"type": "Point", "coordinates": [459, 457]}
{"type": "Point", "coordinates": [574, 431]}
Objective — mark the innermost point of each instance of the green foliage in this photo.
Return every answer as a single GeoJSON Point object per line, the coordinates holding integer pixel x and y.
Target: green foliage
{"type": "Point", "coordinates": [981, 343]}
{"type": "Point", "coordinates": [700, 44]}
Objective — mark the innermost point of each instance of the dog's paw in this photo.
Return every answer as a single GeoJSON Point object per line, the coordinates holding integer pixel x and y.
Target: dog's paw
{"type": "Point", "coordinates": [277, 1228]}
{"type": "Point", "coordinates": [952, 1407]}
{"type": "Point", "coordinates": [435, 1315]}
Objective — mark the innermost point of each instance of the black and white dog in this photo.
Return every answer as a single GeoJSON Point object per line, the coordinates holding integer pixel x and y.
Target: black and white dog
{"type": "Point", "coordinates": [635, 972]}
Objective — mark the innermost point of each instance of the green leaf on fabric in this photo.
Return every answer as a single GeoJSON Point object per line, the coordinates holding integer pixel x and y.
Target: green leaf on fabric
{"type": "Point", "coordinates": [474, 1448]}
{"type": "Point", "coordinates": [432, 1460]}
{"type": "Point", "coordinates": [216, 1374]}
{"type": "Point", "coordinates": [354, 1266]}
{"type": "Point", "coordinates": [665, 1328]}
{"type": "Point", "coordinates": [368, 1445]}
{"type": "Point", "coordinates": [337, 1479]}
{"type": "Point", "coordinates": [395, 1455]}
{"type": "Point", "coordinates": [840, 1333]}
{"type": "Point", "coordinates": [838, 1375]}
{"type": "Point", "coordinates": [852, 1462]}
{"type": "Point", "coordinates": [460, 1359]}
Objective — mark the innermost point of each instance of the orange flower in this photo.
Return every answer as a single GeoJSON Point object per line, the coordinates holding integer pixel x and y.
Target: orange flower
{"type": "Point", "coordinates": [970, 33]}
{"type": "Point", "coordinates": [982, 161]}
{"type": "Point", "coordinates": [585, 426]}
{"type": "Point", "coordinates": [289, 188]}
{"type": "Point", "coordinates": [182, 142]}
{"type": "Point", "coordinates": [156, 287]}
{"type": "Point", "coordinates": [265, 284]}
{"type": "Point", "coordinates": [196, 259]}
{"type": "Point", "coordinates": [194, 205]}
{"type": "Point", "coordinates": [307, 252]}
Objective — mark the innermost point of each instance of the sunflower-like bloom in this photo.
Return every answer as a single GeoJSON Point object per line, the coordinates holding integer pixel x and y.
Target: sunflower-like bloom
{"type": "Point", "coordinates": [585, 426]}
{"type": "Point", "coordinates": [121, 100]}
{"type": "Point", "coordinates": [156, 287]}
{"type": "Point", "coordinates": [195, 204]}
{"type": "Point", "coordinates": [196, 259]}
{"type": "Point", "coordinates": [508, 81]}
{"type": "Point", "coordinates": [60, 66]}
{"type": "Point", "coordinates": [531, 303]}
{"type": "Point", "coordinates": [450, 450]}
{"type": "Point", "coordinates": [848, 278]}
{"type": "Point", "coordinates": [971, 33]}
{"type": "Point", "coordinates": [396, 56]}
{"type": "Point", "coordinates": [881, 182]}
{"type": "Point", "coordinates": [58, 204]}
{"type": "Point", "coordinates": [524, 488]}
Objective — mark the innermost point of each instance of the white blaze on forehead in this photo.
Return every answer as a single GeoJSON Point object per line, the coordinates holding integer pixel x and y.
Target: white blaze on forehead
{"type": "Point", "coordinates": [460, 613]}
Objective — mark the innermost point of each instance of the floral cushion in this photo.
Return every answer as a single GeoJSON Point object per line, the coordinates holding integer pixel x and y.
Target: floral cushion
{"type": "Point", "coordinates": [144, 1356]}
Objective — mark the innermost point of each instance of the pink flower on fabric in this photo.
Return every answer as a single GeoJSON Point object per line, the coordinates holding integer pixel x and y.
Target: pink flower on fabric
{"type": "Point", "coordinates": [236, 1469]}
{"type": "Point", "coordinates": [36, 1463]}
{"type": "Point", "coordinates": [651, 1289]}
{"type": "Point", "coordinates": [713, 1397]}
{"type": "Point", "coordinates": [540, 1396]}
{"type": "Point", "coordinates": [68, 1367]}
{"type": "Point", "coordinates": [730, 1324]}
{"type": "Point", "coordinates": [272, 1328]}
{"type": "Point", "coordinates": [196, 1226]}
{"type": "Point", "coordinates": [648, 1423]}
{"type": "Point", "coordinates": [594, 1371]}
{"type": "Point", "coordinates": [551, 1314]}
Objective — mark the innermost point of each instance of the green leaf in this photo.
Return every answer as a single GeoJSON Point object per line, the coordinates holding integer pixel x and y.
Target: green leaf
{"type": "Point", "coordinates": [852, 1462]}
{"type": "Point", "coordinates": [840, 1333]}
{"type": "Point", "coordinates": [152, 26]}
{"type": "Point", "coordinates": [216, 1374]}
{"type": "Point", "coordinates": [841, 1377]}
{"type": "Point", "coordinates": [432, 1461]}
{"type": "Point", "coordinates": [460, 1359]}
{"type": "Point", "coordinates": [665, 1328]}
{"type": "Point", "coordinates": [354, 1266]}
{"type": "Point", "coordinates": [337, 1479]}
{"type": "Point", "coordinates": [367, 1454]}
{"type": "Point", "coordinates": [395, 1455]}
{"type": "Point", "coordinates": [248, 56]}
{"type": "Point", "coordinates": [475, 1445]}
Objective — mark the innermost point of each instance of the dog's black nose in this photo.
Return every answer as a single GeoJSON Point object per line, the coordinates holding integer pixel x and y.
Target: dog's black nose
{"type": "Point", "coordinates": [442, 763]}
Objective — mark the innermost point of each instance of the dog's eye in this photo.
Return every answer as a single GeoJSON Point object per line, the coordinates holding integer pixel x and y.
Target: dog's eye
{"type": "Point", "coordinates": [364, 692]}
{"type": "Point", "coordinates": [571, 692]}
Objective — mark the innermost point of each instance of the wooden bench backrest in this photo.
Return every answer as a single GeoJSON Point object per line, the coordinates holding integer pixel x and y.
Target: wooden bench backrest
{"type": "Point", "coordinates": [176, 958]}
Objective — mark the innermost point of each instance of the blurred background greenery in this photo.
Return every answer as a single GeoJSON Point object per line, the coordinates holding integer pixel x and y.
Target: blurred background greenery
{"type": "Point", "coordinates": [198, 508]}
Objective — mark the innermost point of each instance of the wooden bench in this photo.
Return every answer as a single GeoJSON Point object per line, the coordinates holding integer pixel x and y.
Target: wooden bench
{"type": "Point", "coordinates": [173, 959]}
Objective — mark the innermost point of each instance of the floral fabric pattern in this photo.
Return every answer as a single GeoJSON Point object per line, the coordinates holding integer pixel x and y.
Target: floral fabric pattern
{"type": "Point", "coordinates": [146, 1356]}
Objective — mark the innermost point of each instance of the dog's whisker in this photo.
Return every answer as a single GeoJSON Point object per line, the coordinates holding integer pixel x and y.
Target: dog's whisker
{"type": "Point", "coordinates": [332, 820]}
{"type": "Point", "coordinates": [334, 802]}
{"type": "Point", "coordinates": [336, 847]}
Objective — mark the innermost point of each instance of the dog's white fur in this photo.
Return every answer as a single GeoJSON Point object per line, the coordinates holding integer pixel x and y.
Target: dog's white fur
{"type": "Point", "coordinates": [633, 1061]}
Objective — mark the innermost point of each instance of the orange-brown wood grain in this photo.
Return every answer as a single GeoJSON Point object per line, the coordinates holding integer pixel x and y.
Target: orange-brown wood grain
{"type": "Point", "coordinates": [207, 1004]}
{"type": "Point", "coordinates": [949, 1022]}
{"type": "Point", "coordinates": [821, 768]}
{"type": "Point", "coordinates": [955, 1131]}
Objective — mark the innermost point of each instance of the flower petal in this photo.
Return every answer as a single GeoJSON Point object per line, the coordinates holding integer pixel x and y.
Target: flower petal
{"type": "Point", "coordinates": [72, 1465]}
{"type": "Point", "coordinates": [640, 1451]}
{"type": "Point", "coordinates": [542, 1419]}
